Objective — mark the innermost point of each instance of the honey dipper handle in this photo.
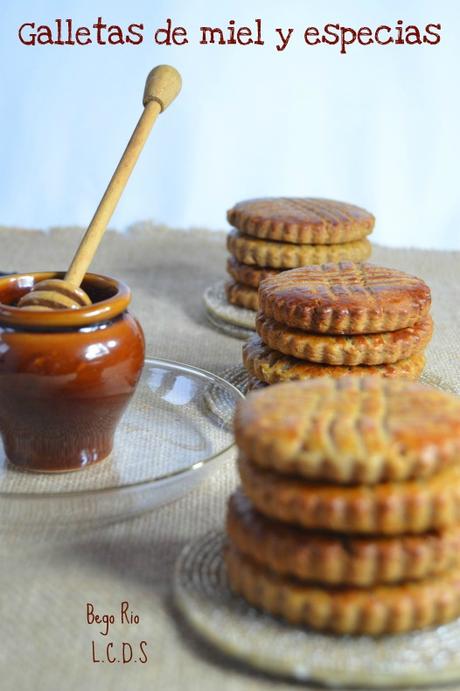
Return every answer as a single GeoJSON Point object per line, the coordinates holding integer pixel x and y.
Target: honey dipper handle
{"type": "Point", "coordinates": [162, 86]}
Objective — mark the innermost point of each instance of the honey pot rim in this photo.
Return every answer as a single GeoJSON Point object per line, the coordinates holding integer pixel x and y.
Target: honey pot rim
{"type": "Point", "coordinates": [100, 311]}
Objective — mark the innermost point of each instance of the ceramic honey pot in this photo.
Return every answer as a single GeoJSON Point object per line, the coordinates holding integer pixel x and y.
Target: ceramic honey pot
{"type": "Point", "coordinates": [70, 352]}
{"type": "Point", "coordinates": [66, 376]}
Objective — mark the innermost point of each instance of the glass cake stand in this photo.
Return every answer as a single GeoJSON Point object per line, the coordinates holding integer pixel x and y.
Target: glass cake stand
{"type": "Point", "coordinates": [176, 431]}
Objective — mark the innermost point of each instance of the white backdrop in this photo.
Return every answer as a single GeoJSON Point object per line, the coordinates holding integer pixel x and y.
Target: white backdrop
{"type": "Point", "coordinates": [377, 126]}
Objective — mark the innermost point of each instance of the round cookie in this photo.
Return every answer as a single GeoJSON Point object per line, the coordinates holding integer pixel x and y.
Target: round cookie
{"type": "Point", "coordinates": [242, 296]}
{"type": "Point", "coordinates": [351, 430]}
{"type": "Point", "coordinates": [301, 220]}
{"type": "Point", "coordinates": [248, 275]}
{"type": "Point", "coordinates": [391, 508]}
{"type": "Point", "coordinates": [336, 559]}
{"type": "Point", "coordinates": [273, 367]}
{"type": "Point", "coordinates": [283, 255]}
{"type": "Point", "coordinates": [345, 298]}
{"type": "Point", "coordinates": [361, 349]}
{"type": "Point", "coordinates": [380, 610]}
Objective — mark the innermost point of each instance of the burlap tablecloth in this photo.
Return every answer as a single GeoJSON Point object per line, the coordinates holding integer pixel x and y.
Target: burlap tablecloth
{"type": "Point", "coordinates": [45, 640]}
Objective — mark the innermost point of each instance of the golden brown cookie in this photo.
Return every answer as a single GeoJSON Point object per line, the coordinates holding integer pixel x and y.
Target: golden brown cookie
{"type": "Point", "coordinates": [380, 610]}
{"type": "Point", "coordinates": [241, 295]}
{"type": "Point", "coordinates": [301, 220]}
{"type": "Point", "coordinates": [358, 430]}
{"type": "Point", "coordinates": [336, 559]}
{"type": "Point", "coordinates": [273, 367]}
{"type": "Point", "coordinates": [248, 275]}
{"type": "Point", "coordinates": [345, 298]}
{"type": "Point", "coordinates": [283, 255]}
{"type": "Point", "coordinates": [391, 508]}
{"type": "Point", "coordinates": [360, 349]}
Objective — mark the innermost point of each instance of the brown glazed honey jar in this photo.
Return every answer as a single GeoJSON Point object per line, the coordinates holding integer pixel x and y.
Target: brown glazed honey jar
{"type": "Point", "coordinates": [66, 376]}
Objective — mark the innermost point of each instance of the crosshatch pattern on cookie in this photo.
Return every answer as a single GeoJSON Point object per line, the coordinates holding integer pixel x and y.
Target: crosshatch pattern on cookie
{"type": "Point", "coordinates": [351, 430]}
{"type": "Point", "coordinates": [345, 298]}
{"type": "Point", "coordinates": [301, 220]}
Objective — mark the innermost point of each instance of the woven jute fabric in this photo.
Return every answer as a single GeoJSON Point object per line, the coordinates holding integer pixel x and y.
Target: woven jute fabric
{"type": "Point", "coordinates": [45, 584]}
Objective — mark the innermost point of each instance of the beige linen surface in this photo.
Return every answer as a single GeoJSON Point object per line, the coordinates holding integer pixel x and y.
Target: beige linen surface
{"type": "Point", "coordinates": [44, 588]}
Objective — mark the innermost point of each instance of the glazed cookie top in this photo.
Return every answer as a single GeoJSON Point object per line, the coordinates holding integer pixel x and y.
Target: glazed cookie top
{"type": "Point", "coordinates": [350, 430]}
{"type": "Point", "coordinates": [345, 298]}
{"type": "Point", "coordinates": [301, 220]}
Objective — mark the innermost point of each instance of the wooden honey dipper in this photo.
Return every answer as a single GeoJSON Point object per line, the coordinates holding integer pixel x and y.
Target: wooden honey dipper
{"type": "Point", "coordinates": [161, 88]}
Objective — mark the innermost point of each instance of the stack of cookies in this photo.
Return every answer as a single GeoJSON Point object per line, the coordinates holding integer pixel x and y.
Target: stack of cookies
{"type": "Point", "coordinates": [348, 519]}
{"type": "Point", "coordinates": [336, 320]}
{"type": "Point", "coordinates": [274, 234]}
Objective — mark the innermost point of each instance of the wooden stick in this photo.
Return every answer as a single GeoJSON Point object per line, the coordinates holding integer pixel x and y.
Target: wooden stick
{"type": "Point", "coordinates": [162, 86]}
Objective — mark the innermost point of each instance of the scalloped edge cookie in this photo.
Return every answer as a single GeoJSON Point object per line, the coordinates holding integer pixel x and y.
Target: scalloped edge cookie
{"type": "Point", "coordinates": [338, 559]}
{"type": "Point", "coordinates": [250, 276]}
{"type": "Point", "coordinates": [301, 220]}
{"type": "Point", "coordinates": [283, 255]}
{"type": "Point", "coordinates": [273, 367]}
{"type": "Point", "coordinates": [345, 298]}
{"type": "Point", "coordinates": [375, 611]}
{"type": "Point", "coordinates": [242, 296]}
{"type": "Point", "coordinates": [390, 508]}
{"type": "Point", "coordinates": [351, 430]}
{"type": "Point", "coordinates": [360, 349]}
